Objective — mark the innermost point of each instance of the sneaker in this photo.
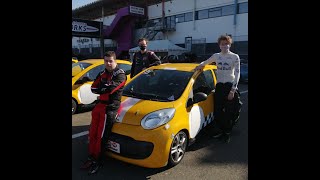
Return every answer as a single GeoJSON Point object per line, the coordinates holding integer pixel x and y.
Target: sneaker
{"type": "Point", "coordinates": [95, 167]}
{"type": "Point", "coordinates": [87, 164]}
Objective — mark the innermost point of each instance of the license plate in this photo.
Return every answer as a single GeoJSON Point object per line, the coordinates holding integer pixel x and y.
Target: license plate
{"type": "Point", "coordinates": [114, 146]}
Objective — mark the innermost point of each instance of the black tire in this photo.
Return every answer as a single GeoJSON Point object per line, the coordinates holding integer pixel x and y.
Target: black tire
{"type": "Point", "coordinates": [176, 157]}
{"type": "Point", "coordinates": [74, 106]}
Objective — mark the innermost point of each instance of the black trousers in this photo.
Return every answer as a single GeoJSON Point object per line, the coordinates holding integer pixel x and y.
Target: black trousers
{"type": "Point", "coordinates": [223, 117]}
{"type": "Point", "coordinates": [111, 117]}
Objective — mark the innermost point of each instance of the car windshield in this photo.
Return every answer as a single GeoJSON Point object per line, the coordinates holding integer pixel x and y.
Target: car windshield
{"type": "Point", "coordinates": [78, 67]}
{"type": "Point", "coordinates": [158, 85]}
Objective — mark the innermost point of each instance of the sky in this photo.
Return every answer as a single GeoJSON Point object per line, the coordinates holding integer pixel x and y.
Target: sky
{"type": "Point", "coordinates": [79, 3]}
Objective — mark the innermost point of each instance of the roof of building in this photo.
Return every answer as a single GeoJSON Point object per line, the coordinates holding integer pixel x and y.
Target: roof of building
{"type": "Point", "coordinates": [93, 10]}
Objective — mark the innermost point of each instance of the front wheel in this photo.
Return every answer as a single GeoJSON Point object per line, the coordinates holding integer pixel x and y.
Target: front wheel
{"type": "Point", "coordinates": [178, 148]}
{"type": "Point", "coordinates": [74, 106]}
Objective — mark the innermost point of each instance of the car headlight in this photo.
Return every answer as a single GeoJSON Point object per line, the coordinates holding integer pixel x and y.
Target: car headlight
{"type": "Point", "coordinates": [157, 118]}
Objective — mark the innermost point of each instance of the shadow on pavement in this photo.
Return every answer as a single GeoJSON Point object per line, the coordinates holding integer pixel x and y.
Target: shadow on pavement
{"type": "Point", "coordinates": [114, 169]}
{"type": "Point", "coordinates": [236, 151]}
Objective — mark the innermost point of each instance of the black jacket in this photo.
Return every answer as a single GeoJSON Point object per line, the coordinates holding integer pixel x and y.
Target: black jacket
{"type": "Point", "coordinates": [144, 60]}
{"type": "Point", "coordinates": [110, 86]}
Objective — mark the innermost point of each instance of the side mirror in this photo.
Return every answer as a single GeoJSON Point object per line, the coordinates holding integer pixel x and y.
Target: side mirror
{"type": "Point", "coordinates": [128, 72]}
{"type": "Point", "coordinates": [190, 102]}
{"type": "Point", "coordinates": [198, 97]}
{"type": "Point", "coordinates": [82, 80]}
{"type": "Point", "coordinates": [85, 79]}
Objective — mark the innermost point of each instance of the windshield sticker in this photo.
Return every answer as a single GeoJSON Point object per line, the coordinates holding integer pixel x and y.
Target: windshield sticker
{"type": "Point", "coordinates": [148, 71]}
{"type": "Point", "coordinates": [171, 97]}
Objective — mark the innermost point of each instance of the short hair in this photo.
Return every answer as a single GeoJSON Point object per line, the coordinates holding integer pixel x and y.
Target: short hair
{"type": "Point", "coordinates": [143, 39]}
{"type": "Point", "coordinates": [225, 38]}
{"type": "Point", "coordinates": [110, 54]}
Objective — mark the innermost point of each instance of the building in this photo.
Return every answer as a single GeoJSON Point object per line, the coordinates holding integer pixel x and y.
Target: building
{"type": "Point", "coordinates": [191, 24]}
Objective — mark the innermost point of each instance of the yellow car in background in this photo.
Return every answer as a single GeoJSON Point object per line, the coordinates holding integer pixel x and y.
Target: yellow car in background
{"type": "Point", "coordinates": [74, 60]}
{"type": "Point", "coordinates": [163, 108]}
{"type": "Point", "coordinates": [83, 74]}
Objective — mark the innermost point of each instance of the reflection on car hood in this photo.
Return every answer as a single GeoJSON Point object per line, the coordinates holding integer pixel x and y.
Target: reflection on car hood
{"type": "Point", "coordinates": [133, 110]}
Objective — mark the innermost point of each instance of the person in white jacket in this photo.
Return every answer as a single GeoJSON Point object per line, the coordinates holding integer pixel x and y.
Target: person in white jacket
{"type": "Point", "coordinates": [228, 74]}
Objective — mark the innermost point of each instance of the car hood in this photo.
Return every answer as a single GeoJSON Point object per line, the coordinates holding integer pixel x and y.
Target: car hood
{"type": "Point", "coordinates": [132, 110]}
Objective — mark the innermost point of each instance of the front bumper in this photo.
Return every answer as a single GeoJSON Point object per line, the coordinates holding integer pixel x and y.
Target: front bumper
{"type": "Point", "coordinates": [146, 148]}
{"type": "Point", "coordinates": [132, 148]}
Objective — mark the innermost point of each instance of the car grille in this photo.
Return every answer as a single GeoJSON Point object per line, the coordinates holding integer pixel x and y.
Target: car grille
{"type": "Point", "coordinates": [131, 148]}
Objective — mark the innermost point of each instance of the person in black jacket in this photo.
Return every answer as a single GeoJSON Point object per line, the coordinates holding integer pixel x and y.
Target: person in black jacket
{"type": "Point", "coordinates": [143, 59]}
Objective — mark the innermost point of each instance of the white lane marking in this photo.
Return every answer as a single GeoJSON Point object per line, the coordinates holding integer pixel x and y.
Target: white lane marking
{"type": "Point", "coordinates": [87, 132]}
{"type": "Point", "coordinates": [242, 92]}
{"type": "Point", "coordinates": [80, 134]}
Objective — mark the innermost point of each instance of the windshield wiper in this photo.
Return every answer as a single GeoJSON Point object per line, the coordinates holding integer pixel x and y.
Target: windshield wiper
{"type": "Point", "coordinates": [146, 96]}
{"type": "Point", "coordinates": [129, 93]}
{"type": "Point", "coordinates": [152, 96]}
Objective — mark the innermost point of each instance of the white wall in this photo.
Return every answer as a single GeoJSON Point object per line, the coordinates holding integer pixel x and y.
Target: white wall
{"type": "Point", "coordinates": [182, 6]}
{"type": "Point", "coordinates": [242, 28]}
{"type": "Point", "coordinates": [108, 20]}
{"type": "Point", "coordinates": [175, 7]}
{"type": "Point", "coordinates": [210, 29]}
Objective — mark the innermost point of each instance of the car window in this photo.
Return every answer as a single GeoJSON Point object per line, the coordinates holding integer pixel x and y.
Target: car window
{"type": "Point", "coordinates": [125, 67]}
{"type": "Point", "coordinates": [92, 74]}
{"type": "Point", "coordinates": [78, 67]}
{"type": "Point", "coordinates": [158, 85]}
{"type": "Point", "coordinates": [209, 79]}
{"type": "Point", "coordinates": [204, 83]}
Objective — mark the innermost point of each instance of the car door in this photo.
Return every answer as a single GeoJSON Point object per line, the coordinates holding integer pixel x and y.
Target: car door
{"type": "Point", "coordinates": [201, 113]}
{"type": "Point", "coordinates": [85, 94]}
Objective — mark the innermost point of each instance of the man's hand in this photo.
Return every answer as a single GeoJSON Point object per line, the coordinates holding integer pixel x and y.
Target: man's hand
{"type": "Point", "coordinates": [200, 67]}
{"type": "Point", "coordinates": [231, 95]}
{"type": "Point", "coordinates": [103, 88]}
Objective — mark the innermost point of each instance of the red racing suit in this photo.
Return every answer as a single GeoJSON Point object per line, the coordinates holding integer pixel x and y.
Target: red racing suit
{"type": "Point", "coordinates": [110, 86]}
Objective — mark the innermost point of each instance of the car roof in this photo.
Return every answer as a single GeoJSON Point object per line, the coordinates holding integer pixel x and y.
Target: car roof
{"type": "Point", "coordinates": [181, 66]}
{"type": "Point", "coordinates": [100, 61]}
